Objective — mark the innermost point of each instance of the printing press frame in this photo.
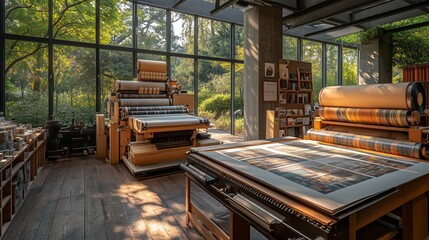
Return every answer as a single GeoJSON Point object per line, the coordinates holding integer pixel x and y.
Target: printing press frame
{"type": "Point", "coordinates": [122, 136]}
{"type": "Point", "coordinates": [252, 203]}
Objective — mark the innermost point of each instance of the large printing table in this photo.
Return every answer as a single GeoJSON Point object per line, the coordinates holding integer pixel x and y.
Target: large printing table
{"type": "Point", "coordinates": [303, 189]}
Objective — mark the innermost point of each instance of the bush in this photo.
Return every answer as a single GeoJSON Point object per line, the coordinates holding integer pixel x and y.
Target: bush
{"type": "Point", "coordinates": [218, 104]}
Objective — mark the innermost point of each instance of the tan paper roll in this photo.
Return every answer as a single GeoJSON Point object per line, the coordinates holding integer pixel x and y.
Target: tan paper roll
{"type": "Point", "coordinates": [145, 102]}
{"type": "Point", "coordinates": [151, 66]}
{"type": "Point", "coordinates": [388, 96]}
{"type": "Point", "coordinates": [134, 86]}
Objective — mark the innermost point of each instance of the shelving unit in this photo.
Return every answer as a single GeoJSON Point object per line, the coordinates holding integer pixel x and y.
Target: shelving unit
{"type": "Point", "coordinates": [17, 174]}
{"type": "Point", "coordinates": [293, 115]}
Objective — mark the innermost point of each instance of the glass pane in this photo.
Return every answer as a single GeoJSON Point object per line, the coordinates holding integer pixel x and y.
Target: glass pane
{"type": "Point", "coordinates": [74, 84]}
{"type": "Point", "coordinates": [182, 33]}
{"type": "Point", "coordinates": [214, 93]}
{"type": "Point", "coordinates": [120, 31]}
{"type": "Point", "coordinates": [27, 82]}
{"type": "Point", "coordinates": [151, 30]}
{"type": "Point", "coordinates": [312, 53]}
{"type": "Point", "coordinates": [331, 65]}
{"type": "Point", "coordinates": [27, 18]}
{"type": "Point", "coordinates": [239, 42]}
{"type": "Point", "coordinates": [290, 48]}
{"type": "Point", "coordinates": [239, 100]}
{"type": "Point", "coordinates": [214, 38]}
{"type": "Point", "coordinates": [148, 56]}
{"type": "Point", "coordinates": [182, 69]}
{"type": "Point", "coordinates": [350, 58]}
{"type": "Point", "coordinates": [74, 20]}
{"type": "Point", "coordinates": [115, 65]}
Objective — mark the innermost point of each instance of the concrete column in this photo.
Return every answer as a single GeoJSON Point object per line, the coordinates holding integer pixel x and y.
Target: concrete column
{"type": "Point", "coordinates": [375, 64]}
{"type": "Point", "coordinates": [263, 43]}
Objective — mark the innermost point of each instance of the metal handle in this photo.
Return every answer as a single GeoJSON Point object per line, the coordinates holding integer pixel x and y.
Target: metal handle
{"type": "Point", "coordinates": [197, 174]}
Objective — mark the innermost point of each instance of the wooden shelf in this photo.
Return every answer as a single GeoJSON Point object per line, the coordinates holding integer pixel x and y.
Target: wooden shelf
{"type": "Point", "coordinates": [301, 125]}
{"type": "Point", "coordinates": [295, 116]}
{"type": "Point", "coordinates": [16, 168]}
{"type": "Point", "coordinates": [4, 182]}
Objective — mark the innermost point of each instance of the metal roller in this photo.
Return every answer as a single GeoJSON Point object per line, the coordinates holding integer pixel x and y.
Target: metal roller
{"type": "Point", "coordinates": [145, 102]}
{"type": "Point", "coordinates": [405, 96]}
{"type": "Point", "coordinates": [396, 147]}
{"type": "Point", "coordinates": [153, 108]}
{"type": "Point", "coordinates": [144, 122]}
{"type": "Point", "coordinates": [386, 117]}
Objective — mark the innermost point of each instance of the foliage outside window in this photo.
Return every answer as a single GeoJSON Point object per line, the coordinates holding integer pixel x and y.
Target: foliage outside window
{"type": "Point", "coordinates": [151, 30]}
{"type": "Point", "coordinates": [312, 53]}
{"type": "Point", "coordinates": [214, 38]}
{"type": "Point", "coordinates": [350, 61]}
{"type": "Point", "coordinates": [26, 82]}
{"type": "Point", "coordinates": [74, 20]}
{"type": "Point", "coordinates": [182, 70]}
{"type": "Point", "coordinates": [115, 65]}
{"type": "Point", "coordinates": [238, 113]}
{"type": "Point", "coordinates": [26, 17]}
{"type": "Point", "coordinates": [116, 23]}
{"type": "Point", "coordinates": [182, 33]}
{"type": "Point", "coordinates": [290, 48]}
{"type": "Point", "coordinates": [239, 42]}
{"type": "Point", "coordinates": [331, 65]}
{"type": "Point", "coordinates": [74, 87]}
{"type": "Point", "coordinates": [214, 92]}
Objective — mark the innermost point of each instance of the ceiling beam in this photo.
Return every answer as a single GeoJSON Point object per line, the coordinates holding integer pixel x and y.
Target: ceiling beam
{"type": "Point", "coordinates": [221, 7]}
{"type": "Point", "coordinates": [323, 10]}
{"type": "Point", "coordinates": [371, 18]}
{"type": "Point", "coordinates": [178, 3]}
{"type": "Point", "coordinates": [408, 27]}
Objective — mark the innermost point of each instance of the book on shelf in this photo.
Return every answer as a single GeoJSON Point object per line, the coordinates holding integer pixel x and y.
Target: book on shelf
{"type": "Point", "coordinates": [307, 109]}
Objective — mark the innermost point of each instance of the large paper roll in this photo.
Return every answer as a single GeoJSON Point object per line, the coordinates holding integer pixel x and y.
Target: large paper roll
{"type": "Point", "coordinates": [145, 102]}
{"type": "Point", "coordinates": [144, 122]}
{"type": "Point", "coordinates": [387, 117]}
{"type": "Point", "coordinates": [151, 66]}
{"type": "Point", "coordinates": [407, 96]}
{"type": "Point", "coordinates": [153, 108]}
{"type": "Point", "coordinates": [122, 85]}
{"type": "Point", "coordinates": [402, 148]}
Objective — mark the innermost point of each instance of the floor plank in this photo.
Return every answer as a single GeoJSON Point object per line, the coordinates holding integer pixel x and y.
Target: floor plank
{"type": "Point", "coordinates": [83, 198]}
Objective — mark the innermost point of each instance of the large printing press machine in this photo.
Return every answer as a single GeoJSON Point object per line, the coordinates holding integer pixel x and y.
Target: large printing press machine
{"type": "Point", "coordinates": [150, 126]}
{"type": "Point", "coordinates": [360, 173]}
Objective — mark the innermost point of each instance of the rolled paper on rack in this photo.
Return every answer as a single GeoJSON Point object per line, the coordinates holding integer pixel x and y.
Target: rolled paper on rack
{"type": "Point", "coordinates": [152, 112]}
{"type": "Point", "coordinates": [406, 96]}
{"type": "Point", "coordinates": [145, 102]}
{"type": "Point", "coordinates": [396, 147]}
{"type": "Point", "coordinates": [151, 66]}
{"type": "Point", "coordinates": [387, 117]}
{"type": "Point", "coordinates": [122, 85]}
{"type": "Point", "coordinates": [152, 76]}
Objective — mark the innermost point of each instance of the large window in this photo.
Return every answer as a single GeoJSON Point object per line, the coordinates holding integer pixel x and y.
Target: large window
{"type": "Point", "coordinates": [290, 48]}
{"type": "Point", "coordinates": [26, 82]}
{"type": "Point", "coordinates": [312, 53]}
{"type": "Point", "coordinates": [26, 17]}
{"type": "Point", "coordinates": [182, 33]}
{"type": "Point", "coordinates": [214, 92]}
{"type": "Point", "coordinates": [151, 30]}
{"type": "Point", "coordinates": [214, 38]}
{"type": "Point", "coordinates": [74, 20]}
{"type": "Point", "coordinates": [115, 65]}
{"type": "Point", "coordinates": [239, 100]}
{"type": "Point", "coordinates": [331, 65]}
{"type": "Point", "coordinates": [74, 87]}
{"type": "Point", "coordinates": [116, 23]}
{"type": "Point", "coordinates": [350, 60]}
{"type": "Point", "coordinates": [239, 42]}
{"type": "Point", "coordinates": [182, 70]}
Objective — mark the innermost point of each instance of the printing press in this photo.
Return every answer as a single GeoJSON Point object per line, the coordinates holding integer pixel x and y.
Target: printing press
{"type": "Point", "coordinates": [148, 129]}
{"type": "Point", "coordinates": [361, 173]}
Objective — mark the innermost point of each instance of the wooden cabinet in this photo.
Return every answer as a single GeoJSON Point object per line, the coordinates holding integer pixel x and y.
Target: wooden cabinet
{"type": "Point", "coordinates": [293, 115]}
{"type": "Point", "coordinates": [17, 174]}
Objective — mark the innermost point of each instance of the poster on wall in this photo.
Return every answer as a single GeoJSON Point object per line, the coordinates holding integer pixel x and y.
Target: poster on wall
{"type": "Point", "coordinates": [269, 69]}
{"type": "Point", "coordinates": [270, 91]}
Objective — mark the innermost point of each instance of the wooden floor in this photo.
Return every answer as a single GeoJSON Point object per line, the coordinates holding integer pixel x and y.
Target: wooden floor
{"type": "Point", "coordinates": [83, 198]}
